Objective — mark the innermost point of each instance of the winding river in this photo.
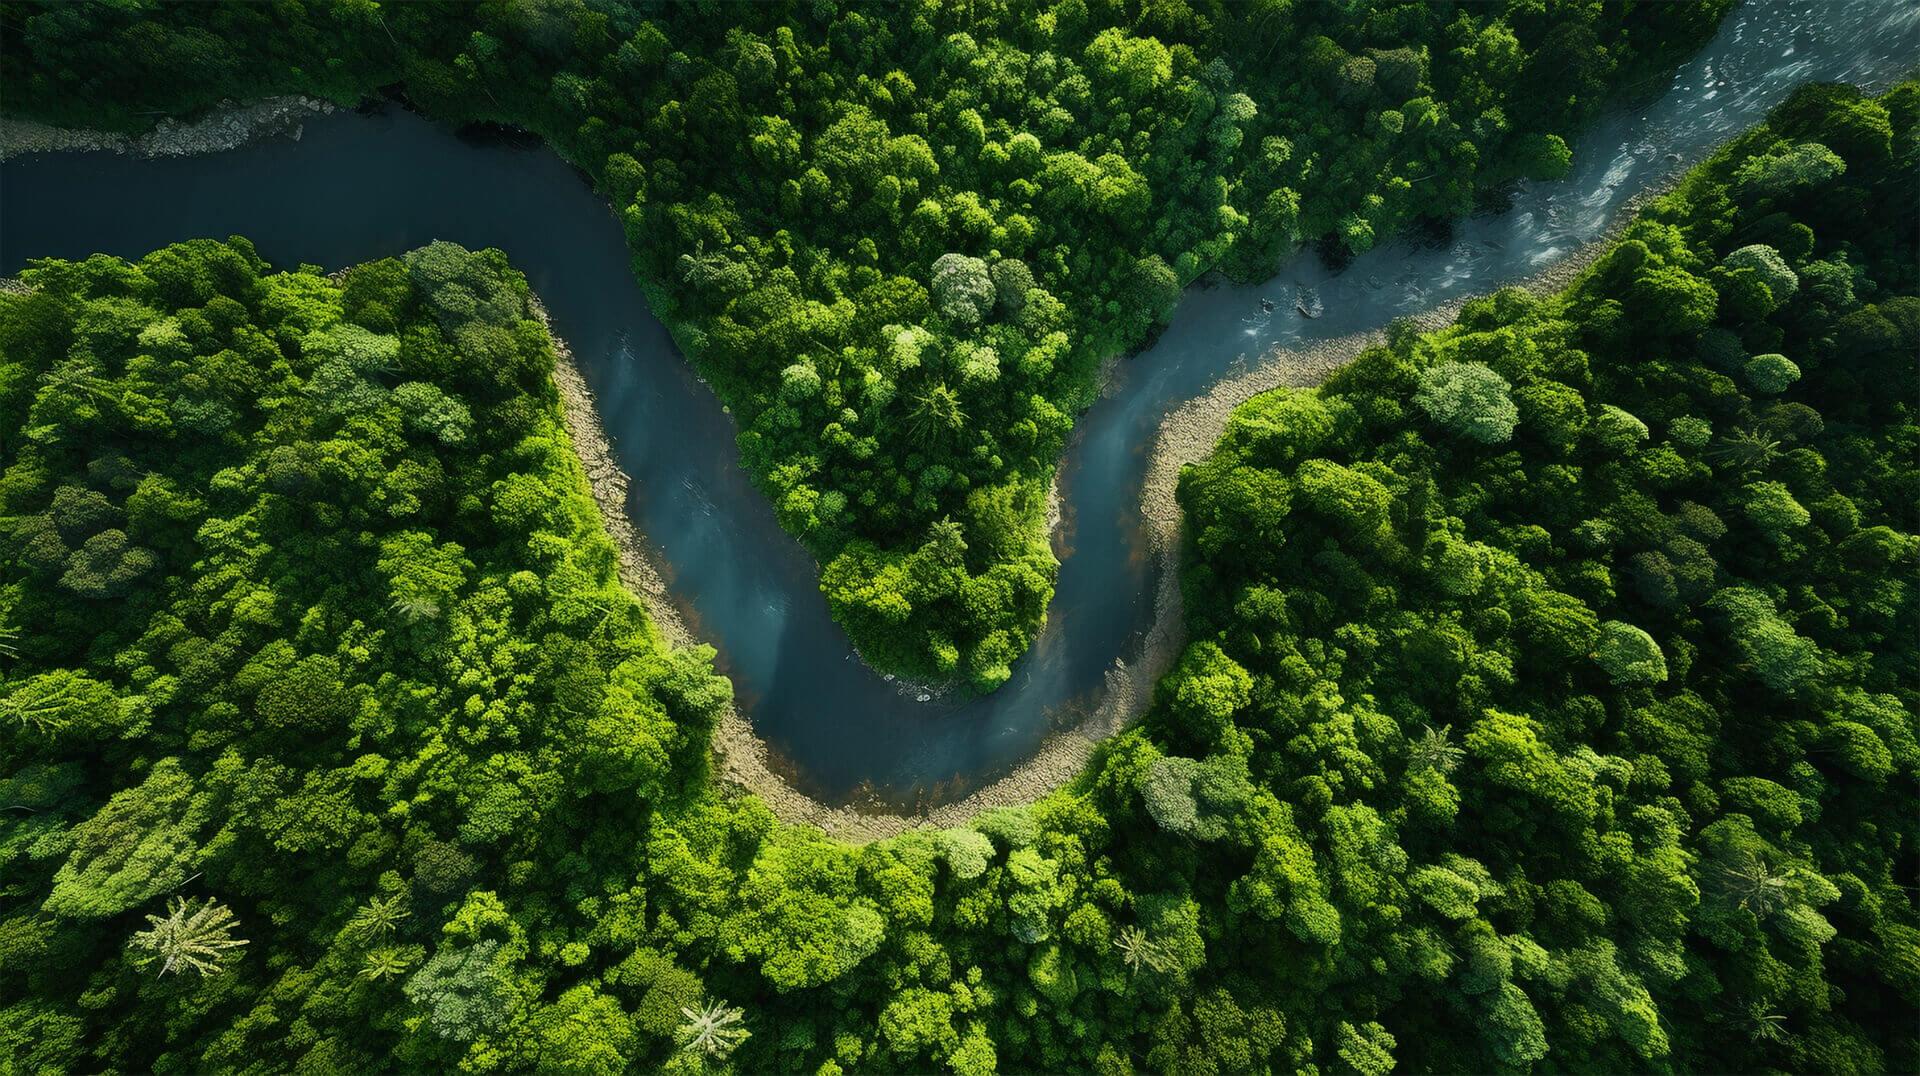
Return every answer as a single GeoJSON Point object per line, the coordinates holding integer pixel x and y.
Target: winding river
{"type": "Point", "coordinates": [358, 186]}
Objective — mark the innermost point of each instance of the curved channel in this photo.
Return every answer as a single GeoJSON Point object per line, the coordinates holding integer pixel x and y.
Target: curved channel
{"type": "Point", "coordinates": [356, 187]}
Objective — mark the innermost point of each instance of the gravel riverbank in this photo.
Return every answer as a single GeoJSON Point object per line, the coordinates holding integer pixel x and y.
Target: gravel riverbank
{"type": "Point", "coordinates": [742, 755]}
{"type": "Point", "coordinates": [227, 127]}
{"type": "Point", "coordinates": [744, 761]}
{"type": "Point", "coordinates": [1187, 435]}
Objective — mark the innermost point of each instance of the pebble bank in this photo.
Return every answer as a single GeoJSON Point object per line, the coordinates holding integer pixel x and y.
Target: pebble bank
{"type": "Point", "coordinates": [228, 126]}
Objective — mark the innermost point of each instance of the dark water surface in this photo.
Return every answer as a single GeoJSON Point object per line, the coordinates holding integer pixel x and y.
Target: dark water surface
{"type": "Point", "coordinates": [358, 187]}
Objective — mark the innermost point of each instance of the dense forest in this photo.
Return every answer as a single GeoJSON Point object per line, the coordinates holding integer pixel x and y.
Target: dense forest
{"type": "Point", "coordinates": [312, 644]}
{"type": "Point", "coordinates": [1550, 701]}
{"type": "Point", "coordinates": [899, 239]}
{"type": "Point", "coordinates": [1555, 675]}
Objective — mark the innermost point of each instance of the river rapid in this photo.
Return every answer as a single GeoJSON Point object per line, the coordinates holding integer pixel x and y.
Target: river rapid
{"type": "Point", "coordinates": [355, 187]}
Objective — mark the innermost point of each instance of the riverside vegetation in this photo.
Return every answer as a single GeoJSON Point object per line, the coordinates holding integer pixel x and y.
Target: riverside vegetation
{"type": "Point", "coordinates": [1550, 701]}
{"type": "Point", "coordinates": [899, 240]}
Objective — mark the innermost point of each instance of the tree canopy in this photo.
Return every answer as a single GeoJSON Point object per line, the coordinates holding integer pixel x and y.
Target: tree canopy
{"type": "Point", "coordinates": [1591, 746]}
{"type": "Point", "coordinates": [899, 240]}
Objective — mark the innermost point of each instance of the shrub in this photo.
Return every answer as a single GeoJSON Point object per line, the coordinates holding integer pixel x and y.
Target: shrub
{"type": "Point", "coordinates": [1771, 373]}
{"type": "Point", "coordinates": [1468, 399]}
{"type": "Point", "coordinates": [1629, 655]}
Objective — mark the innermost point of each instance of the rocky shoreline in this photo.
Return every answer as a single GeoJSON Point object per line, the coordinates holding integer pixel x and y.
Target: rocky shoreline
{"type": "Point", "coordinates": [1187, 435]}
{"type": "Point", "coordinates": [228, 126]}
{"type": "Point", "coordinates": [638, 570]}
{"type": "Point", "coordinates": [1191, 431]}
{"type": "Point", "coordinates": [909, 688]}
{"type": "Point", "coordinates": [744, 759]}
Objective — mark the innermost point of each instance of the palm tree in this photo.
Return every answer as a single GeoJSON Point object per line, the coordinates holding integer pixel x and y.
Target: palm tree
{"type": "Point", "coordinates": [1433, 751]}
{"type": "Point", "coordinates": [1753, 886]}
{"type": "Point", "coordinates": [702, 269]}
{"type": "Point", "coordinates": [1138, 951]}
{"type": "Point", "coordinates": [715, 1031]}
{"type": "Point", "coordinates": [377, 918]}
{"type": "Point", "coordinates": [42, 708]}
{"type": "Point", "coordinates": [1745, 450]}
{"type": "Point", "coordinates": [1764, 1026]}
{"type": "Point", "coordinates": [415, 608]}
{"type": "Point", "coordinates": [936, 413]}
{"type": "Point", "coordinates": [386, 963]}
{"type": "Point", "coordinates": [191, 935]}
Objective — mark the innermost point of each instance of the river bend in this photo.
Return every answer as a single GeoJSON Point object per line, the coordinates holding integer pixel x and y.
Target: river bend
{"type": "Point", "coordinates": [357, 187]}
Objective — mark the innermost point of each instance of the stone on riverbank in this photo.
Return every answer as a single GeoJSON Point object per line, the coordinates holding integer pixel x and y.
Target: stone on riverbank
{"type": "Point", "coordinates": [229, 126]}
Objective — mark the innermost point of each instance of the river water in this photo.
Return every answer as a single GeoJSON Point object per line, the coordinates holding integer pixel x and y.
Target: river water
{"type": "Point", "coordinates": [357, 187]}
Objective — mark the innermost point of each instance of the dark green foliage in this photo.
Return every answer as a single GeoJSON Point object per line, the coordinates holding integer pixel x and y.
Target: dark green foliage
{"type": "Point", "coordinates": [1416, 798]}
{"type": "Point", "coordinates": [898, 241]}
{"type": "Point", "coordinates": [1576, 749]}
{"type": "Point", "coordinates": [1678, 830]}
{"type": "Point", "coordinates": [344, 667]}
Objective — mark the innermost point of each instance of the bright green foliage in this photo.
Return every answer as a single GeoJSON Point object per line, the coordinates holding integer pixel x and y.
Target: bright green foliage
{"type": "Point", "coordinates": [1618, 431]}
{"type": "Point", "coordinates": [1781, 658]}
{"type": "Point", "coordinates": [66, 704]}
{"type": "Point", "coordinates": [143, 842]}
{"type": "Point", "coordinates": [1771, 507]}
{"type": "Point", "coordinates": [585, 1031]}
{"type": "Point", "coordinates": [191, 936]}
{"type": "Point", "coordinates": [377, 655]}
{"type": "Point", "coordinates": [1766, 263]}
{"type": "Point", "coordinates": [1414, 820]}
{"type": "Point", "coordinates": [1672, 831]}
{"type": "Point", "coordinates": [714, 1031]}
{"type": "Point", "coordinates": [1690, 432]}
{"type": "Point", "coordinates": [1468, 399]}
{"type": "Point", "coordinates": [1629, 655]}
{"type": "Point", "coordinates": [1025, 187]}
{"type": "Point", "coordinates": [1790, 169]}
{"type": "Point", "coordinates": [967, 852]}
{"type": "Point", "coordinates": [1366, 1050]}
{"type": "Point", "coordinates": [1771, 374]}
